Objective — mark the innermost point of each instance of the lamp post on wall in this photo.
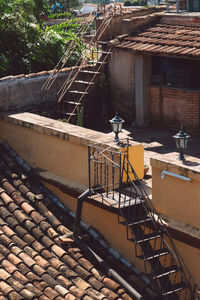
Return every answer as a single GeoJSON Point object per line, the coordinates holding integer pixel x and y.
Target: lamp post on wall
{"type": "Point", "coordinates": [116, 124]}
{"type": "Point", "coordinates": [181, 139]}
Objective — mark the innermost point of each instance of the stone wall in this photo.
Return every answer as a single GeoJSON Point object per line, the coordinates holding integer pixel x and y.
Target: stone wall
{"type": "Point", "coordinates": [24, 91]}
{"type": "Point", "coordinates": [171, 107]}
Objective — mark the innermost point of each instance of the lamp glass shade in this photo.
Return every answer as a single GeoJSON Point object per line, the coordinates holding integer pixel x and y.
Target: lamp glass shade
{"type": "Point", "coordinates": [181, 139]}
{"type": "Point", "coordinates": [116, 123]}
{"type": "Point", "coordinates": [115, 127]}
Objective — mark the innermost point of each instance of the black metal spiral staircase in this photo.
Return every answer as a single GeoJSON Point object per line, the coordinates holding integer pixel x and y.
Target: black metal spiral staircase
{"type": "Point", "coordinates": [113, 178]}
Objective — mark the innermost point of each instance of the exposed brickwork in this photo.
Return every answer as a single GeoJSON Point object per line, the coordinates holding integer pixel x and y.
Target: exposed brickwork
{"type": "Point", "coordinates": [155, 106]}
{"type": "Point", "coordinates": [171, 107]}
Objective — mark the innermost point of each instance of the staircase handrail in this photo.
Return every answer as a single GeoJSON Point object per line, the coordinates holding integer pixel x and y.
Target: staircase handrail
{"type": "Point", "coordinates": [70, 49]}
{"type": "Point", "coordinates": [176, 254]}
{"type": "Point", "coordinates": [65, 87]}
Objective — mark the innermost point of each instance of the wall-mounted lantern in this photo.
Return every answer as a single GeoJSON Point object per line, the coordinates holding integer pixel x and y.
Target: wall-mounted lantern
{"type": "Point", "coordinates": [181, 139]}
{"type": "Point", "coordinates": [116, 124]}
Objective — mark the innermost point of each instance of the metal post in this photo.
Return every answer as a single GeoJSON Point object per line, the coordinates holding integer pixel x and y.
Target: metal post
{"type": "Point", "coordinates": [77, 220]}
{"type": "Point", "coordinates": [181, 155]}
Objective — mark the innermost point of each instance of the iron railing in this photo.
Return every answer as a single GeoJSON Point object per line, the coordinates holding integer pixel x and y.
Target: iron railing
{"type": "Point", "coordinates": [113, 180]}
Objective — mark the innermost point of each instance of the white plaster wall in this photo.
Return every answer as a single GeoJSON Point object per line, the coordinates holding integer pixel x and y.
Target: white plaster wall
{"type": "Point", "coordinates": [23, 91]}
{"type": "Point", "coordinates": [121, 76]}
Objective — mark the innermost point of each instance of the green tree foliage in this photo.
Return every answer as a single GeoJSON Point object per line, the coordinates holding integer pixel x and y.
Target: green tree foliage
{"type": "Point", "coordinates": [26, 45]}
{"type": "Point", "coordinates": [67, 5]}
{"type": "Point", "coordinates": [135, 3]}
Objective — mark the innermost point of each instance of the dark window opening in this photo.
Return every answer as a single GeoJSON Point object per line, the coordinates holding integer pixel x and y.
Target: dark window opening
{"type": "Point", "coordinates": [176, 72]}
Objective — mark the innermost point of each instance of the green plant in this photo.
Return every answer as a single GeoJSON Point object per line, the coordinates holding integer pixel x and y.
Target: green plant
{"type": "Point", "coordinates": [80, 116]}
{"type": "Point", "coordinates": [135, 3]}
{"type": "Point", "coordinates": [66, 15]}
{"type": "Point", "coordinates": [28, 46]}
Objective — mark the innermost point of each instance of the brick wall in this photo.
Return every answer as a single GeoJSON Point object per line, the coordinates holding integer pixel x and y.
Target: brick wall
{"type": "Point", "coordinates": [170, 107]}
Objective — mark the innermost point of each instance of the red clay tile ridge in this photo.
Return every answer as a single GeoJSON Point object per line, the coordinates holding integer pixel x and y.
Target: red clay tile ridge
{"type": "Point", "coordinates": [33, 262]}
{"type": "Point", "coordinates": [163, 39]}
{"type": "Point", "coordinates": [35, 75]}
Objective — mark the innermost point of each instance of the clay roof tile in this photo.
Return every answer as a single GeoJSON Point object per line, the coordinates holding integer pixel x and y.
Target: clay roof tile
{"type": "Point", "coordinates": [146, 39]}
{"type": "Point", "coordinates": [34, 262]}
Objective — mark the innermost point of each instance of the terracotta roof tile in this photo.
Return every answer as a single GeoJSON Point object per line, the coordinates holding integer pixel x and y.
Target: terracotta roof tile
{"type": "Point", "coordinates": [34, 263]}
{"type": "Point", "coordinates": [109, 293]}
{"type": "Point", "coordinates": [177, 39]}
{"type": "Point", "coordinates": [70, 297]}
{"type": "Point", "coordinates": [96, 283]}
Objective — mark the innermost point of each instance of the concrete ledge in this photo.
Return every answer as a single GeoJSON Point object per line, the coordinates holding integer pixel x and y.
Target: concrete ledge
{"type": "Point", "coordinates": [68, 186]}
{"type": "Point", "coordinates": [182, 232]}
{"type": "Point", "coordinates": [189, 168]}
{"type": "Point", "coordinates": [62, 130]}
{"type": "Point", "coordinates": [60, 148]}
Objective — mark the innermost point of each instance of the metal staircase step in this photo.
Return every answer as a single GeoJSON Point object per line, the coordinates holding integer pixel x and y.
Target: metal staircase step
{"type": "Point", "coordinates": [154, 254]}
{"type": "Point", "coordinates": [136, 222]}
{"type": "Point", "coordinates": [164, 272]}
{"type": "Point", "coordinates": [89, 72]}
{"type": "Point", "coordinates": [78, 92]}
{"type": "Point", "coordinates": [83, 82]}
{"type": "Point", "coordinates": [147, 237]}
{"type": "Point", "coordinates": [130, 202]}
{"type": "Point", "coordinates": [175, 288]}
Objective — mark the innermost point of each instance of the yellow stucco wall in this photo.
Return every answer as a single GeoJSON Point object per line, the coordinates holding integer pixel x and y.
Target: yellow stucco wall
{"type": "Point", "coordinates": [180, 202]}
{"type": "Point", "coordinates": [63, 157]}
{"type": "Point", "coordinates": [105, 222]}
{"type": "Point", "coordinates": [136, 158]}
{"type": "Point", "coordinates": [175, 197]}
{"type": "Point", "coordinates": [191, 256]}
{"type": "Point", "coordinates": [45, 148]}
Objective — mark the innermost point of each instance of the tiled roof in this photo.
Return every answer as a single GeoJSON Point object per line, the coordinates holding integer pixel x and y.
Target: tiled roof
{"type": "Point", "coordinates": [163, 39]}
{"type": "Point", "coordinates": [33, 262]}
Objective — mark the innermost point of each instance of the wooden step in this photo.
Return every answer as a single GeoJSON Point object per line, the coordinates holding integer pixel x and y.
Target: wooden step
{"type": "Point", "coordinates": [146, 237]}
{"type": "Point", "coordinates": [65, 113]}
{"type": "Point", "coordinates": [89, 72]}
{"type": "Point", "coordinates": [72, 103]}
{"type": "Point", "coordinates": [97, 62]}
{"type": "Point", "coordinates": [83, 82]}
{"type": "Point", "coordinates": [154, 254]}
{"type": "Point", "coordinates": [101, 52]}
{"type": "Point", "coordinates": [71, 114]}
{"type": "Point", "coordinates": [175, 288]}
{"type": "Point", "coordinates": [164, 272]}
{"type": "Point", "coordinates": [78, 92]}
